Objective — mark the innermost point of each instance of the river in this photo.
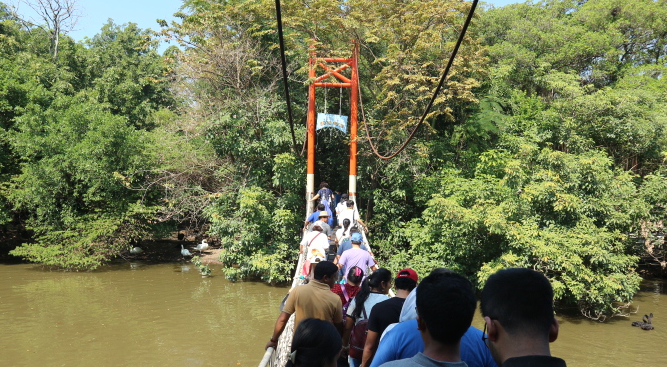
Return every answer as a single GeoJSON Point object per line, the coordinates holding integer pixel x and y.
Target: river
{"type": "Point", "coordinates": [168, 315]}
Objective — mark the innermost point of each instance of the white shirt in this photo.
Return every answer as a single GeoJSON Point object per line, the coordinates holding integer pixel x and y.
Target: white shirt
{"type": "Point", "coordinates": [315, 246]}
{"type": "Point", "coordinates": [339, 209]}
{"type": "Point", "coordinates": [349, 214]}
{"type": "Point", "coordinates": [340, 234]}
{"type": "Point", "coordinates": [372, 300]}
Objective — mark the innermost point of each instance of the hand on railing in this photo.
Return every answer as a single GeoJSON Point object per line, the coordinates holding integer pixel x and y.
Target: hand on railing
{"type": "Point", "coordinates": [271, 344]}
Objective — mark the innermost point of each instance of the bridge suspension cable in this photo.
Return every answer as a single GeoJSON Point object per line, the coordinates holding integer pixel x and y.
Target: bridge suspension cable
{"type": "Point", "coordinates": [284, 68]}
{"type": "Point", "coordinates": [430, 103]}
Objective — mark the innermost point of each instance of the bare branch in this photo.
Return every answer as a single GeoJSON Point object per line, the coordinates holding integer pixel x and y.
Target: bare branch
{"type": "Point", "coordinates": [55, 17]}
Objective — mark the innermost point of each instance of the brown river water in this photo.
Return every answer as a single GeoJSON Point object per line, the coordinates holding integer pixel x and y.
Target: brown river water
{"type": "Point", "coordinates": [136, 314]}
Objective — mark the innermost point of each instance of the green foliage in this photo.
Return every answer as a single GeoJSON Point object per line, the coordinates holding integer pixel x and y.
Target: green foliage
{"type": "Point", "coordinates": [88, 242]}
{"type": "Point", "coordinates": [558, 213]}
{"type": "Point", "coordinates": [71, 158]}
{"type": "Point", "coordinates": [256, 235]}
{"type": "Point", "coordinates": [75, 180]}
{"type": "Point", "coordinates": [204, 269]}
{"type": "Point", "coordinates": [126, 72]}
{"type": "Point", "coordinates": [546, 149]}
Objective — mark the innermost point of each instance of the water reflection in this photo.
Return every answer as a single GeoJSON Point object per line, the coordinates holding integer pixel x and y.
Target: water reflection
{"type": "Point", "coordinates": [131, 314]}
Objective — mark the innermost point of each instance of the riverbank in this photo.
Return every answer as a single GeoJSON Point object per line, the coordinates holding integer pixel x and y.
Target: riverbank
{"type": "Point", "coordinates": [153, 251]}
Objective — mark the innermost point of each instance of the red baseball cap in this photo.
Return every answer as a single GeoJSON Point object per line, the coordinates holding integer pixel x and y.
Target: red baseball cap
{"type": "Point", "coordinates": [408, 273]}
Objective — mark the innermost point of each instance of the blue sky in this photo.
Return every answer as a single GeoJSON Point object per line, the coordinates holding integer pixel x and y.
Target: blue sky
{"type": "Point", "coordinates": [94, 13]}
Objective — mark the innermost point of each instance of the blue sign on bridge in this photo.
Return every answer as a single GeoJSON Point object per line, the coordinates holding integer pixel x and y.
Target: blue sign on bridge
{"type": "Point", "coordinates": [325, 120]}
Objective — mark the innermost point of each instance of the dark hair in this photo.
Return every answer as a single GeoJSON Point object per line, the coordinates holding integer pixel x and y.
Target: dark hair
{"type": "Point", "coordinates": [373, 281]}
{"type": "Point", "coordinates": [404, 283]}
{"type": "Point", "coordinates": [350, 203]}
{"type": "Point", "coordinates": [521, 300]}
{"type": "Point", "coordinates": [317, 228]}
{"type": "Point", "coordinates": [316, 342]}
{"type": "Point", "coordinates": [323, 184]}
{"type": "Point", "coordinates": [346, 224]}
{"type": "Point", "coordinates": [446, 304]}
{"type": "Point", "coordinates": [324, 268]}
{"type": "Point", "coordinates": [351, 277]}
{"type": "Point", "coordinates": [320, 207]}
{"type": "Point", "coordinates": [344, 197]}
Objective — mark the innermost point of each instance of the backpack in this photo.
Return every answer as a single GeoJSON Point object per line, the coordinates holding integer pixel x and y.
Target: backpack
{"type": "Point", "coordinates": [331, 254]}
{"type": "Point", "coordinates": [358, 337]}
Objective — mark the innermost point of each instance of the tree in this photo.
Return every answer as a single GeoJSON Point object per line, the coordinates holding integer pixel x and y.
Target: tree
{"type": "Point", "coordinates": [56, 18]}
{"type": "Point", "coordinates": [78, 165]}
{"type": "Point", "coordinates": [123, 67]}
{"type": "Point", "coordinates": [75, 160]}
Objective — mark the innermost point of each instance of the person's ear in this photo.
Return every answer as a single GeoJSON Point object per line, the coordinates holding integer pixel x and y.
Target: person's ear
{"type": "Point", "coordinates": [492, 329]}
{"type": "Point", "coordinates": [553, 331]}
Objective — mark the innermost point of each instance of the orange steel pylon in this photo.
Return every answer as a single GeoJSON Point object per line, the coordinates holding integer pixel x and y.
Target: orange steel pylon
{"type": "Point", "coordinates": [344, 82]}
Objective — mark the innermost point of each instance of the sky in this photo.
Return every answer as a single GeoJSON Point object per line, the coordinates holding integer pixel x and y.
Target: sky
{"type": "Point", "coordinates": [94, 13]}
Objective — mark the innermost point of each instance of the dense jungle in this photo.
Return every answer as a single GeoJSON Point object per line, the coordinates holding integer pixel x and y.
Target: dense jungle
{"type": "Point", "coordinates": [546, 149]}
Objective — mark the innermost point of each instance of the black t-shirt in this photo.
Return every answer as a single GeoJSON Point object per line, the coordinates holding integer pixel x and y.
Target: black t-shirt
{"type": "Point", "coordinates": [385, 313]}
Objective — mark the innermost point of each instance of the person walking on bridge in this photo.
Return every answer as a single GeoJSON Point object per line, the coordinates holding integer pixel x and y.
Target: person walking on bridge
{"type": "Point", "coordinates": [315, 244]}
{"type": "Point", "coordinates": [313, 300]}
{"type": "Point", "coordinates": [445, 308]}
{"type": "Point", "coordinates": [356, 256]}
{"type": "Point", "coordinates": [326, 197]}
{"type": "Point", "coordinates": [352, 215]}
{"type": "Point", "coordinates": [517, 305]}
{"type": "Point", "coordinates": [387, 312]}
{"type": "Point", "coordinates": [340, 207]}
{"type": "Point", "coordinates": [312, 218]}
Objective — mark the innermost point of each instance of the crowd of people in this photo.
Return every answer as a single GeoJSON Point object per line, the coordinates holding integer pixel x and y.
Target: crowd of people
{"type": "Point", "coordinates": [345, 317]}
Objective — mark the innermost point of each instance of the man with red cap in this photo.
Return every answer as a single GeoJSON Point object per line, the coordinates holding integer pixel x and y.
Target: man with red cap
{"type": "Point", "coordinates": [387, 312]}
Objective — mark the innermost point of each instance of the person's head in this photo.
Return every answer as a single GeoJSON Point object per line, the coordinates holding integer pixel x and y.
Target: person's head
{"type": "Point", "coordinates": [355, 275]}
{"type": "Point", "coordinates": [321, 207]}
{"type": "Point", "coordinates": [378, 281]}
{"type": "Point", "coordinates": [324, 216]}
{"type": "Point", "coordinates": [326, 272]}
{"type": "Point", "coordinates": [521, 301]}
{"type": "Point", "coordinates": [316, 343]}
{"type": "Point", "coordinates": [324, 185]}
{"type": "Point", "coordinates": [356, 238]}
{"type": "Point", "coordinates": [350, 203]}
{"type": "Point", "coordinates": [318, 226]}
{"type": "Point", "coordinates": [406, 279]}
{"type": "Point", "coordinates": [346, 224]}
{"type": "Point", "coordinates": [445, 306]}
{"type": "Point", "coordinates": [344, 197]}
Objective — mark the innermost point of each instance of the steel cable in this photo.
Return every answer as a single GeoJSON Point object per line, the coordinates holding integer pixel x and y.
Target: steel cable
{"type": "Point", "coordinates": [435, 93]}
{"type": "Point", "coordinates": [284, 67]}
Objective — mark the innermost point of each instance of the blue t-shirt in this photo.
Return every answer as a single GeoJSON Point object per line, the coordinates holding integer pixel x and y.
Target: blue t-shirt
{"type": "Point", "coordinates": [404, 341]}
{"type": "Point", "coordinates": [314, 217]}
